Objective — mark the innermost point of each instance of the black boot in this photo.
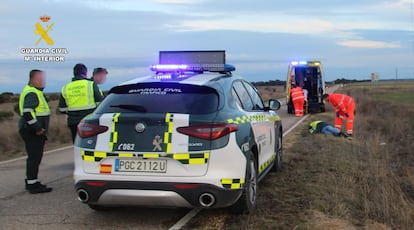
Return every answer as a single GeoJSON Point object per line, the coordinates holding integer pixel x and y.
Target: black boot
{"type": "Point", "coordinates": [341, 134]}
{"type": "Point", "coordinates": [37, 188]}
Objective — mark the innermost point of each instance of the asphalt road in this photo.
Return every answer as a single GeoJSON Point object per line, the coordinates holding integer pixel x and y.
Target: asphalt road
{"type": "Point", "coordinates": [60, 209]}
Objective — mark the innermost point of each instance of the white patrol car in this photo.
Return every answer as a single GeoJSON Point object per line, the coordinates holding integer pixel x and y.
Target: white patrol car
{"type": "Point", "coordinates": [190, 135]}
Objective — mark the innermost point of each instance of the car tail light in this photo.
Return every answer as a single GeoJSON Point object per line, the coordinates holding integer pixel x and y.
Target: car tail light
{"type": "Point", "coordinates": [208, 132]}
{"type": "Point", "coordinates": [88, 130]}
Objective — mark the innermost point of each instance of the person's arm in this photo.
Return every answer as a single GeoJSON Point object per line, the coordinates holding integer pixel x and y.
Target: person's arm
{"type": "Point", "coordinates": [97, 93]}
{"type": "Point", "coordinates": [305, 94]}
{"type": "Point", "coordinates": [336, 103]}
{"type": "Point", "coordinates": [341, 106]}
{"type": "Point", "coordinates": [29, 104]}
{"type": "Point", "coordinates": [63, 108]}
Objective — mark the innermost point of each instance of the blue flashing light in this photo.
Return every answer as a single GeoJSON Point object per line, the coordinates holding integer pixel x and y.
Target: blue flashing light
{"type": "Point", "coordinates": [299, 63]}
{"type": "Point", "coordinates": [163, 77]}
{"type": "Point", "coordinates": [170, 68]}
{"type": "Point", "coordinates": [229, 68]}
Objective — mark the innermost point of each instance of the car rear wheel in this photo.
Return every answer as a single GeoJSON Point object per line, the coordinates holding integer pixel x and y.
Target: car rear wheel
{"type": "Point", "coordinates": [277, 166]}
{"type": "Point", "coordinates": [247, 202]}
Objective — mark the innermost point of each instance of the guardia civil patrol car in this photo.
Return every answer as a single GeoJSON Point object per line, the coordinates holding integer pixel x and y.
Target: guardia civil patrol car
{"type": "Point", "coordinates": [190, 135]}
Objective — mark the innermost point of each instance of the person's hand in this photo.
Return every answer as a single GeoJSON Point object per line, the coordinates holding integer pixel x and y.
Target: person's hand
{"type": "Point", "coordinates": [346, 115]}
{"type": "Point", "coordinates": [40, 132]}
{"type": "Point", "coordinates": [337, 114]}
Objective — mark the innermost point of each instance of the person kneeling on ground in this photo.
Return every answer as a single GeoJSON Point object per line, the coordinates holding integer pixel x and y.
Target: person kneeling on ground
{"type": "Point", "coordinates": [325, 128]}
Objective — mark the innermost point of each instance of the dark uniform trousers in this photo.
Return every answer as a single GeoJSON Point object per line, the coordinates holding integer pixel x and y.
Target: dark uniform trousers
{"type": "Point", "coordinates": [73, 131]}
{"type": "Point", "coordinates": [34, 147]}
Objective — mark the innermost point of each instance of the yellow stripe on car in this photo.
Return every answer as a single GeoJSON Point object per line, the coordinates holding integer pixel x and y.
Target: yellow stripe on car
{"type": "Point", "coordinates": [126, 154]}
{"type": "Point", "coordinates": [150, 155]}
{"type": "Point", "coordinates": [114, 132]}
{"type": "Point", "coordinates": [232, 183]}
{"type": "Point", "coordinates": [247, 119]}
{"type": "Point", "coordinates": [100, 154]}
{"type": "Point", "coordinates": [168, 134]}
{"type": "Point", "coordinates": [181, 156]}
{"type": "Point", "coordinates": [267, 163]}
{"type": "Point", "coordinates": [88, 156]}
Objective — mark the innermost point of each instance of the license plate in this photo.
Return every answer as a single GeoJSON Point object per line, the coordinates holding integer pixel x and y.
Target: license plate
{"type": "Point", "coordinates": [141, 165]}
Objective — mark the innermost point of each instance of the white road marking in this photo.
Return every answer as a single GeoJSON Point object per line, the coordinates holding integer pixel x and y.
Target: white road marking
{"type": "Point", "coordinates": [45, 153]}
{"type": "Point", "coordinates": [183, 221]}
{"type": "Point", "coordinates": [295, 125]}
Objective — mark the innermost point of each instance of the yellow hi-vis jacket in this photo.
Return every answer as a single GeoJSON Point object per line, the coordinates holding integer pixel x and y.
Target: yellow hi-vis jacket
{"type": "Point", "coordinates": [79, 95]}
{"type": "Point", "coordinates": [314, 126]}
{"type": "Point", "coordinates": [41, 110]}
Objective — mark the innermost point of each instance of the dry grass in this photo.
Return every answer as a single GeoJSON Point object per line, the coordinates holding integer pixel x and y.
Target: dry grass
{"type": "Point", "coordinates": [271, 92]}
{"type": "Point", "coordinates": [12, 145]}
{"type": "Point", "coordinates": [334, 183]}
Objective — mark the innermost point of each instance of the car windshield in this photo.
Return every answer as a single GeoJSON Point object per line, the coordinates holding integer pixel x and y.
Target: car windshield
{"type": "Point", "coordinates": [160, 98]}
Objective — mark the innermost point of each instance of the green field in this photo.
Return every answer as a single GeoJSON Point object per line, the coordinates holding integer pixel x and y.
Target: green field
{"type": "Point", "coordinates": [399, 97]}
{"type": "Point", "coordinates": [394, 91]}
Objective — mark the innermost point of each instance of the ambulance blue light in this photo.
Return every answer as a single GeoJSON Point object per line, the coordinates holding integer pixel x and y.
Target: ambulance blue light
{"type": "Point", "coordinates": [299, 63]}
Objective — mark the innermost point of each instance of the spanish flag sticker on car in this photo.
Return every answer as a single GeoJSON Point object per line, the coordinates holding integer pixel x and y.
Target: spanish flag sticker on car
{"type": "Point", "coordinates": [105, 168]}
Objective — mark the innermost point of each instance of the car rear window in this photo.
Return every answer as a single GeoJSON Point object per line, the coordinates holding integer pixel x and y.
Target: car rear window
{"type": "Point", "coordinates": [160, 98]}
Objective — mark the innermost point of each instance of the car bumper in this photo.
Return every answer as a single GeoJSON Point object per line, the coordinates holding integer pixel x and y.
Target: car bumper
{"type": "Point", "coordinates": [154, 194]}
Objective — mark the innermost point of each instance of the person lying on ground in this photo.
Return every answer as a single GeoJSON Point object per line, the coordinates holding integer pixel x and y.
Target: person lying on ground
{"type": "Point", "coordinates": [325, 128]}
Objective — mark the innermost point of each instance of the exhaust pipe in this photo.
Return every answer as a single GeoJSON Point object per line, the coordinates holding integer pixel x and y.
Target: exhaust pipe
{"type": "Point", "coordinates": [83, 196]}
{"type": "Point", "coordinates": [206, 200]}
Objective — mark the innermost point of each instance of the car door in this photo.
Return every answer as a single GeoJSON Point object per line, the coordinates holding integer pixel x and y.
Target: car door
{"type": "Point", "coordinates": [263, 128]}
{"type": "Point", "coordinates": [261, 122]}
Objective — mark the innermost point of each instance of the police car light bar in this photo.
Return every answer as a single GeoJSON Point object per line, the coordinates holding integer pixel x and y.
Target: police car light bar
{"type": "Point", "coordinates": [192, 61]}
{"type": "Point", "coordinates": [167, 68]}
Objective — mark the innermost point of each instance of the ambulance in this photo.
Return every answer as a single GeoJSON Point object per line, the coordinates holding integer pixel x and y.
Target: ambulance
{"type": "Point", "coordinates": [310, 77]}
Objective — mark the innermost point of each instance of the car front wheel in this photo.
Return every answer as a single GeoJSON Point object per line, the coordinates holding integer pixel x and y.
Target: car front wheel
{"type": "Point", "coordinates": [279, 155]}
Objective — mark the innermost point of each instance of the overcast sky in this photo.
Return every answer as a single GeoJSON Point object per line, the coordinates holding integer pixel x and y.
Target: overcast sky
{"type": "Point", "coordinates": [352, 38]}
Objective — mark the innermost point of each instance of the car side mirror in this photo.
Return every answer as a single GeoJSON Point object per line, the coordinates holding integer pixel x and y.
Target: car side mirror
{"type": "Point", "coordinates": [274, 104]}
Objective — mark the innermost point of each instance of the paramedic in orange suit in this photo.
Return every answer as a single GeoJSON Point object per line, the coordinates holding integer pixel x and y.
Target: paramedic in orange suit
{"type": "Point", "coordinates": [298, 99]}
{"type": "Point", "coordinates": [344, 107]}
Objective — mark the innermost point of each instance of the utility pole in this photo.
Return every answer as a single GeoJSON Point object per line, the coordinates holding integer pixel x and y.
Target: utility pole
{"type": "Point", "coordinates": [396, 73]}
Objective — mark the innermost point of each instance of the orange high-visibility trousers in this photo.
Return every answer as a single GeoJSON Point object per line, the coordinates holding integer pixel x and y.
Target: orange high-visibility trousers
{"type": "Point", "coordinates": [350, 110]}
{"type": "Point", "coordinates": [298, 105]}
{"type": "Point", "coordinates": [298, 99]}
